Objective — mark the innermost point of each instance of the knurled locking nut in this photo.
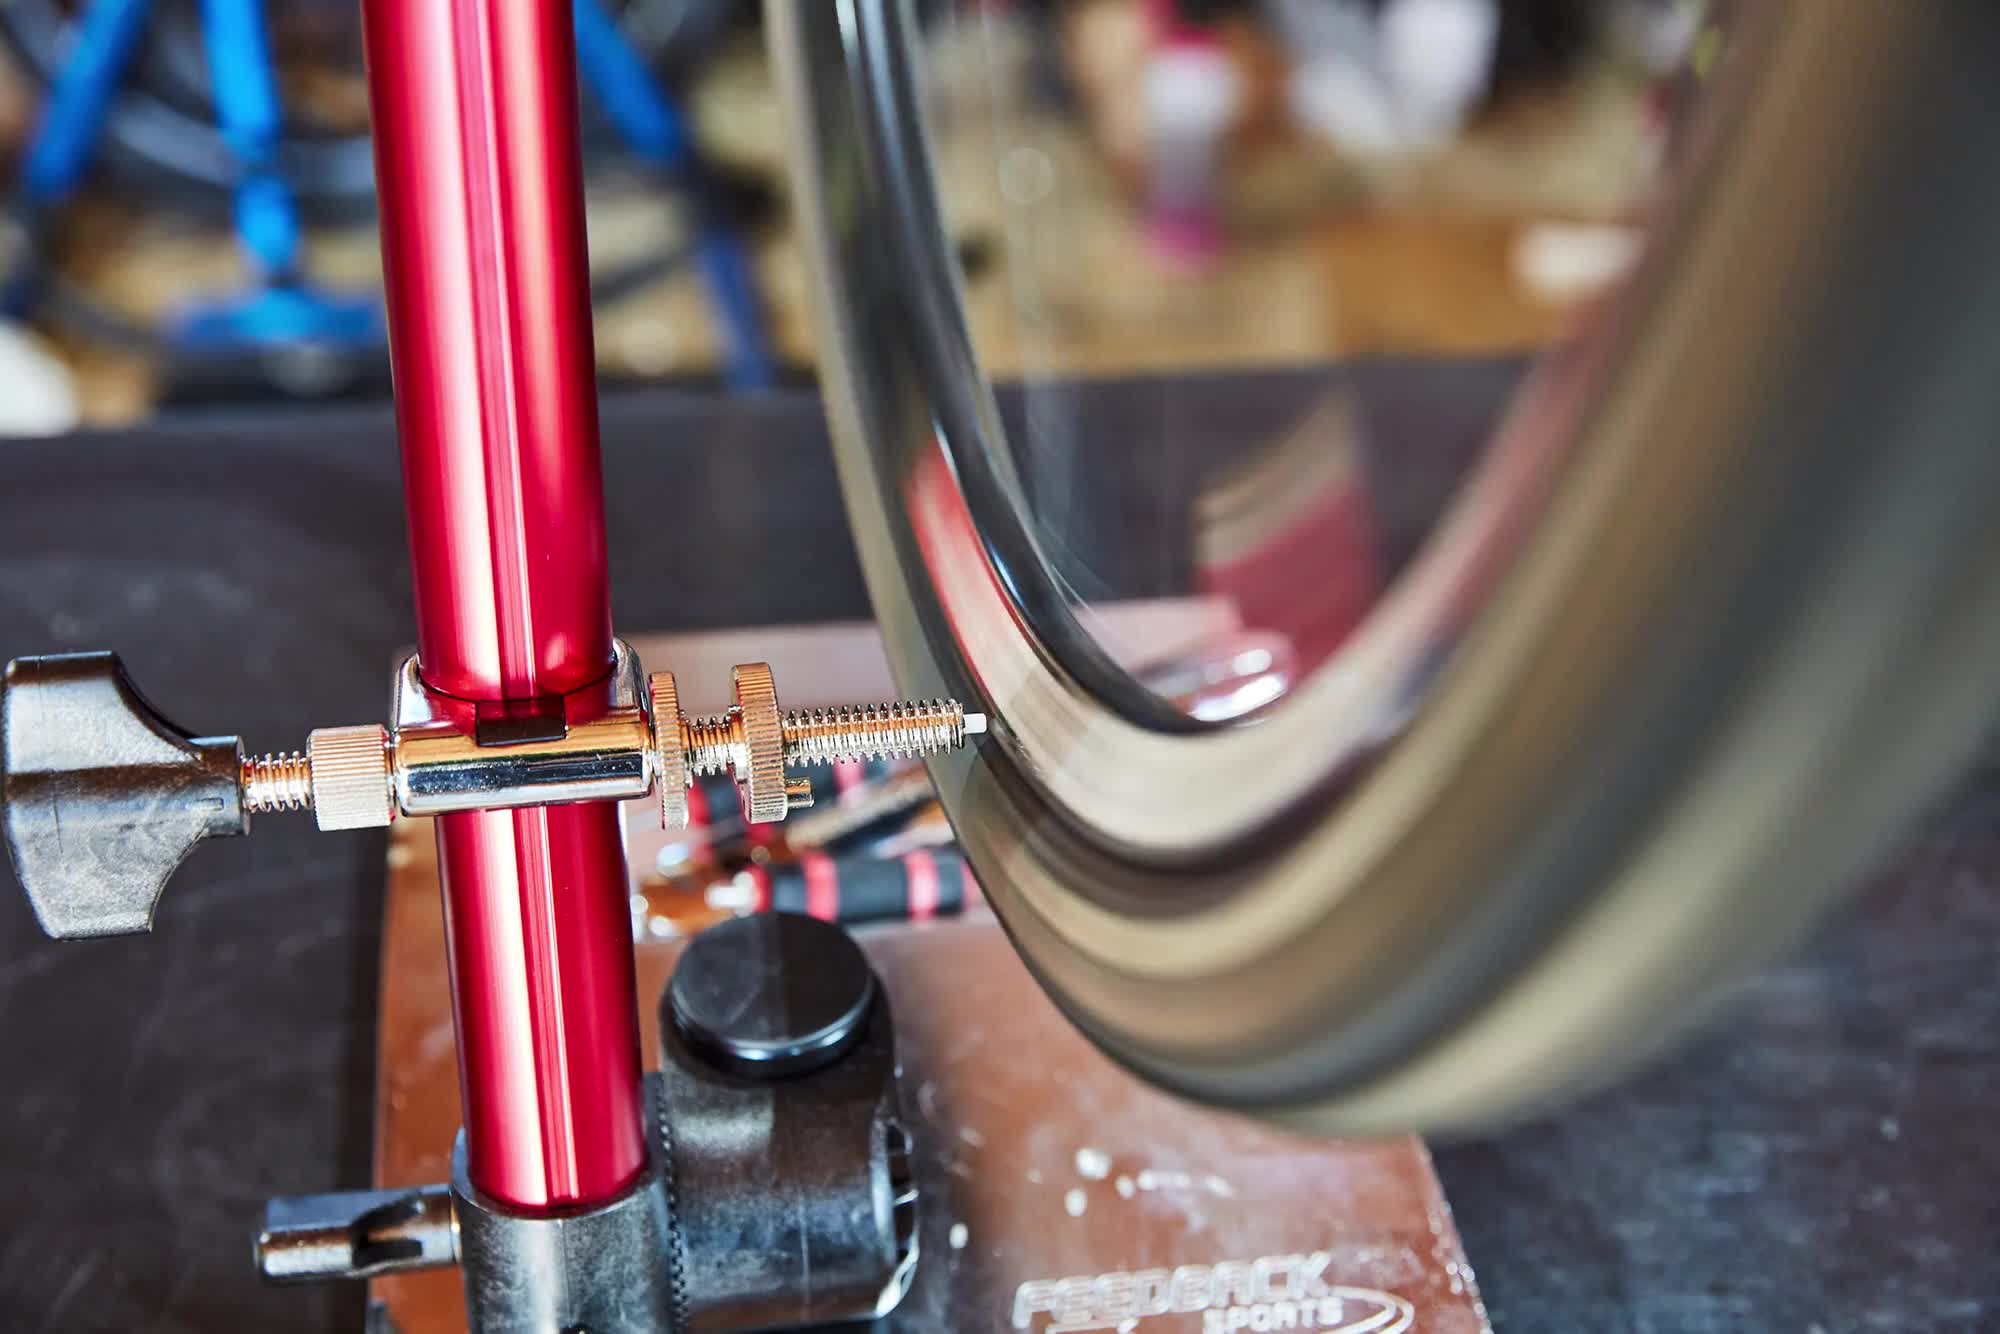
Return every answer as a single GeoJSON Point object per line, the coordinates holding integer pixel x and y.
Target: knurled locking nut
{"type": "Point", "coordinates": [351, 787]}
{"type": "Point", "coordinates": [763, 776]}
{"type": "Point", "coordinates": [670, 775]}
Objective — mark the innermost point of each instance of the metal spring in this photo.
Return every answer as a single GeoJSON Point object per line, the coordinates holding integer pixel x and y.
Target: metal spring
{"type": "Point", "coordinates": [277, 782]}
{"type": "Point", "coordinates": [873, 731]}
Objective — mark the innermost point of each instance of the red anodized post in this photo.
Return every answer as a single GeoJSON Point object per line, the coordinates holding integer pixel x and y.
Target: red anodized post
{"type": "Point", "coordinates": [481, 194]}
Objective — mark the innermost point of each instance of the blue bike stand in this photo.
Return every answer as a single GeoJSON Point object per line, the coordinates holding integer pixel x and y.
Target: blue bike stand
{"type": "Point", "coordinates": [283, 308]}
{"type": "Point", "coordinates": [653, 129]}
{"type": "Point", "coordinates": [58, 153]}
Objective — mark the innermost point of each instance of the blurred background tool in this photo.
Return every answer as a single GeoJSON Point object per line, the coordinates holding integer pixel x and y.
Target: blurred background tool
{"type": "Point", "coordinates": [182, 112]}
{"type": "Point", "coordinates": [655, 131]}
{"type": "Point", "coordinates": [917, 886]}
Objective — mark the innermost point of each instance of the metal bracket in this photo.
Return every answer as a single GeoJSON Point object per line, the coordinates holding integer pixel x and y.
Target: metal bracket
{"type": "Point", "coordinates": [779, 1191]}
{"type": "Point", "coordinates": [413, 704]}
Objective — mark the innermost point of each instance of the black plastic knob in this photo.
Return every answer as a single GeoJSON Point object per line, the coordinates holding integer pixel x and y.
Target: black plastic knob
{"type": "Point", "coordinates": [771, 996]}
{"type": "Point", "coordinates": [104, 797]}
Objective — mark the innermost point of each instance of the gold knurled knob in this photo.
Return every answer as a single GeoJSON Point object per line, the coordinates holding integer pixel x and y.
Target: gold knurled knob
{"type": "Point", "coordinates": [350, 777]}
{"type": "Point", "coordinates": [669, 751]}
{"type": "Point", "coordinates": [762, 775]}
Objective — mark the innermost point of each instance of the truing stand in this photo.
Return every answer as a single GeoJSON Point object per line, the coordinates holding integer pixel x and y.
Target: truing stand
{"type": "Point", "coordinates": [524, 725]}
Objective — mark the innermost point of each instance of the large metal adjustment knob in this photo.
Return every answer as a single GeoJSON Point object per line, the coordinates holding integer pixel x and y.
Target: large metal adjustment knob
{"type": "Point", "coordinates": [104, 797]}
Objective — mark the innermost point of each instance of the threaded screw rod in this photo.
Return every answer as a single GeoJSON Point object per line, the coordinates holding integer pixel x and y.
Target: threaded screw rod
{"type": "Point", "coordinates": [906, 729]}
{"type": "Point", "coordinates": [713, 744]}
{"type": "Point", "coordinates": [903, 729]}
{"type": "Point", "coordinates": [280, 781]}
{"type": "Point", "coordinates": [754, 741]}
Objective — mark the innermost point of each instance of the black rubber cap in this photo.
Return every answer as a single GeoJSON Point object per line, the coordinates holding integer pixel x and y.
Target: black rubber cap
{"type": "Point", "coordinates": [771, 996]}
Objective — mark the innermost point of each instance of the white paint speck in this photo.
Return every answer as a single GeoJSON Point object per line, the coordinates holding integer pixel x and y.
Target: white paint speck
{"type": "Point", "coordinates": [1026, 175]}
{"type": "Point", "coordinates": [1128, 1324]}
{"type": "Point", "coordinates": [1076, 1202]}
{"type": "Point", "coordinates": [960, 1234]}
{"type": "Point", "coordinates": [1217, 1186]}
{"type": "Point", "coordinates": [1126, 1188]}
{"type": "Point", "coordinates": [1093, 1164]}
{"type": "Point", "coordinates": [1035, 1176]}
{"type": "Point", "coordinates": [972, 1137]}
{"type": "Point", "coordinates": [1892, 1129]}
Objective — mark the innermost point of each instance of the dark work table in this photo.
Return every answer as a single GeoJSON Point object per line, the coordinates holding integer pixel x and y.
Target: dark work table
{"type": "Point", "coordinates": [1826, 1157]}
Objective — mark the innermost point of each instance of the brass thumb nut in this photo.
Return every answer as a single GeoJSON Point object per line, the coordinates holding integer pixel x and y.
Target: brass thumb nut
{"type": "Point", "coordinates": [669, 757]}
{"type": "Point", "coordinates": [350, 777]}
{"type": "Point", "coordinates": [763, 772]}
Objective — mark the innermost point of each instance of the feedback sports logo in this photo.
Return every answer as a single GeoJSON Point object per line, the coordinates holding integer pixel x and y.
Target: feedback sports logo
{"type": "Point", "coordinates": [1272, 1292]}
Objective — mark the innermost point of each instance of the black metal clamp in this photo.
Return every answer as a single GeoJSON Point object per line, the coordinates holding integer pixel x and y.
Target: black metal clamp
{"type": "Point", "coordinates": [780, 1190]}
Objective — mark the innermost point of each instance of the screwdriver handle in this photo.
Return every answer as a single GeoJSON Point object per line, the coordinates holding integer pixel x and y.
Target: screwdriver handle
{"type": "Point", "coordinates": [917, 886]}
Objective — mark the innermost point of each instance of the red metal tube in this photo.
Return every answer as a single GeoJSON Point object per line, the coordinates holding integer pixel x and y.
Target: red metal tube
{"type": "Point", "coordinates": [480, 186]}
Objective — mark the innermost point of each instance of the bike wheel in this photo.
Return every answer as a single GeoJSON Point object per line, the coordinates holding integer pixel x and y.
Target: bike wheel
{"type": "Point", "coordinates": [1709, 621]}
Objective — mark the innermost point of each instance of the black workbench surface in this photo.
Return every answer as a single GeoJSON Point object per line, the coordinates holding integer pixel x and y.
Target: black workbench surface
{"type": "Point", "coordinates": [1826, 1158]}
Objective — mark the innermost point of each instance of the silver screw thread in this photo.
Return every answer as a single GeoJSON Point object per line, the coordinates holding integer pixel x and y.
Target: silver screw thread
{"type": "Point", "coordinates": [904, 729]}
{"type": "Point", "coordinates": [281, 781]}
{"type": "Point", "coordinates": [711, 743]}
